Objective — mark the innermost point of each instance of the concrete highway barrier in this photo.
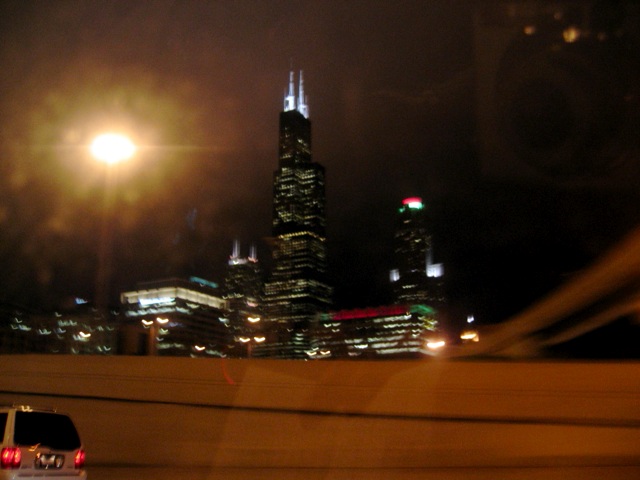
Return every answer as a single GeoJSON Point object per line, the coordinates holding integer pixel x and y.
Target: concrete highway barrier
{"type": "Point", "coordinates": [340, 416]}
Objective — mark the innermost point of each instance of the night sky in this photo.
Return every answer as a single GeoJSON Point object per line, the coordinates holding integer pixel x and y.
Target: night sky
{"type": "Point", "coordinates": [199, 85]}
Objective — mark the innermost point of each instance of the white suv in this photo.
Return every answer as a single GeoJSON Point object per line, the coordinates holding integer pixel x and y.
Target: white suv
{"type": "Point", "coordinates": [39, 443]}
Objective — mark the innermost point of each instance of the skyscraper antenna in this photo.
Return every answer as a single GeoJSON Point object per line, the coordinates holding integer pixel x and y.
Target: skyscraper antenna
{"type": "Point", "coordinates": [299, 103]}
{"type": "Point", "coordinates": [290, 98]}
{"type": "Point", "coordinates": [303, 108]}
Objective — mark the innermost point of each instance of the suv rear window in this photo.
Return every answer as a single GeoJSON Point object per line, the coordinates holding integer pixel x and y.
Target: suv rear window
{"type": "Point", "coordinates": [3, 423]}
{"type": "Point", "coordinates": [47, 429]}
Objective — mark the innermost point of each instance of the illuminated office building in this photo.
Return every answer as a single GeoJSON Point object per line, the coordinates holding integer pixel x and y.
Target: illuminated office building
{"type": "Point", "coordinates": [242, 291]}
{"type": "Point", "coordinates": [176, 317]}
{"type": "Point", "coordinates": [417, 279]}
{"type": "Point", "coordinates": [16, 329]}
{"type": "Point", "coordinates": [75, 328]}
{"type": "Point", "coordinates": [396, 331]}
{"type": "Point", "coordinates": [297, 289]}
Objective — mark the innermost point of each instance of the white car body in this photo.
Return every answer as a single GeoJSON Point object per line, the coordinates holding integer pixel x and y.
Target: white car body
{"type": "Point", "coordinates": [37, 443]}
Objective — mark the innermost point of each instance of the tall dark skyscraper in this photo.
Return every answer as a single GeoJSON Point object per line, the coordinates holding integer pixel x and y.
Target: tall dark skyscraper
{"type": "Point", "coordinates": [416, 280]}
{"type": "Point", "coordinates": [297, 289]}
{"type": "Point", "coordinates": [243, 290]}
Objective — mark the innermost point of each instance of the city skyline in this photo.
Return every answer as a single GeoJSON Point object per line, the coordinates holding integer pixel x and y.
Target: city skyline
{"type": "Point", "coordinates": [198, 87]}
{"type": "Point", "coordinates": [207, 122]}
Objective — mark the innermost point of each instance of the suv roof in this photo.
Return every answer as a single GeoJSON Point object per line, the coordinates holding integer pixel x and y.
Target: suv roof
{"type": "Point", "coordinates": [27, 408]}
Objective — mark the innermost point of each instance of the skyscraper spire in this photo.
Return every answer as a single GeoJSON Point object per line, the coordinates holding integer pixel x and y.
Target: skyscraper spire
{"type": "Point", "coordinates": [303, 108]}
{"type": "Point", "coordinates": [290, 100]}
{"type": "Point", "coordinates": [235, 253]}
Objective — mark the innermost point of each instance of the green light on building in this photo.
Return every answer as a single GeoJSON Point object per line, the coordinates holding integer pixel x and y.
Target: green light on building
{"type": "Point", "coordinates": [414, 203]}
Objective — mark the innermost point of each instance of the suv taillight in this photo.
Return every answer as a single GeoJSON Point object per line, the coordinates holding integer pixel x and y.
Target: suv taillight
{"type": "Point", "coordinates": [78, 460]}
{"type": "Point", "coordinates": [11, 458]}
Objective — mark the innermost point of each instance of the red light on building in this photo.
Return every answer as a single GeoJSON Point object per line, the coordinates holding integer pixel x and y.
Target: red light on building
{"type": "Point", "coordinates": [359, 313]}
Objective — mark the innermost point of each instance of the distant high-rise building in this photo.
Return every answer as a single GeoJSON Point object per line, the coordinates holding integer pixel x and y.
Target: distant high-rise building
{"type": "Point", "coordinates": [298, 288]}
{"type": "Point", "coordinates": [417, 279]}
{"type": "Point", "coordinates": [175, 317]}
{"type": "Point", "coordinates": [242, 290]}
{"type": "Point", "coordinates": [394, 331]}
{"type": "Point", "coordinates": [76, 327]}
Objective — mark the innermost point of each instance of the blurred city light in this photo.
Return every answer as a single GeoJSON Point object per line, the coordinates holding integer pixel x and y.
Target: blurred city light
{"type": "Point", "coordinates": [571, 34]}
{"type": "Point", "coordinates": [436, 344]}
{"type": "Point", "coordinates": [469, 336]}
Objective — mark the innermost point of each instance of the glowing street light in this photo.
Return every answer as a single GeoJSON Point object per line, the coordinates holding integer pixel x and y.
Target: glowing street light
{"type": "Point", "coordinates": [469, 336]}
{"type": "Point", "coordinates": [155, 329]}
{"type": "Point", "coordinates": [436, 344]}
{"type": "Point", "coordinates": [249, 341]}
{"type": "Point", "coordinates": [112, 148]}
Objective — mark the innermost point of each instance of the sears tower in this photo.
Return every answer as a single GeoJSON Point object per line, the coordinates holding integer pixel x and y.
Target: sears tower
{"type": "Point", "coordinates": [297, 289]}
